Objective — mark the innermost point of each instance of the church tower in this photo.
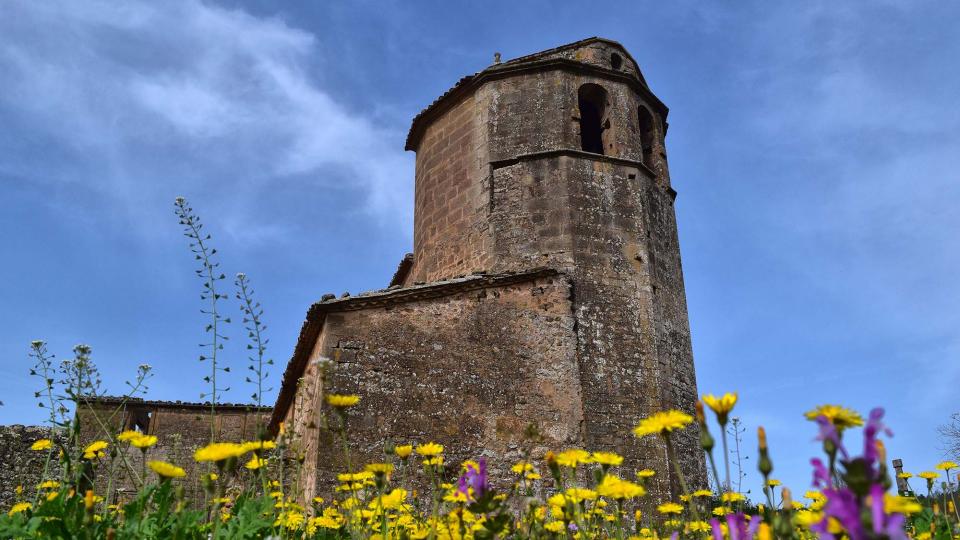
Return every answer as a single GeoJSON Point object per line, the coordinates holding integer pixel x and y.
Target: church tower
{"type": "Point", "coordinates": [557, 160]}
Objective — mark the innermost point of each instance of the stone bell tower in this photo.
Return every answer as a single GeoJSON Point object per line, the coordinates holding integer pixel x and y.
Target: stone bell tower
{"type": "Point", "coordinates": [557, 160]}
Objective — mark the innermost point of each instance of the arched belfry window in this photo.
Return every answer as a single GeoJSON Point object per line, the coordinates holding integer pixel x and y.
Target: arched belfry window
{"type": "Point", "coordinates": [592, 100]}
{"type": "Point", "coordinates": [648, 134]}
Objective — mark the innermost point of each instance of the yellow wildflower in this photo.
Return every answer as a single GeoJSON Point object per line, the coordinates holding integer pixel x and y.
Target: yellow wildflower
{"type": "Point", "coordinates": [128, 435]}
{"type": "Point", "coordinates": [326, 522]}
{"type": "Point", "coordinates": [606, 458]}
{"type": "Point", "coordinates": [721, 511]}
{"type": "Point", "coordinates": [391, 500]}
{"type": "Point", "coordinates": [166, 470]}
{"type": "Point", "coordinates": [556, 527]}
{"type": "Point", "coordinates": [702, 493]}
{"type": "Point", "coordinates": [403, 451]}
{"type": "Point", "coordinates": [41, 444]}
{"type": "Point", "coordinates": [219, 452]}
{"type": "Point", "coordinates": [905, 475]}
{"type": "Point", "coordinates": [616, 488]}
{"type": "Point", "coordinates": [645, 473]}
{"type": "Point", "coordinates": [430, 449]}
{"type": "Point", "coordinates": [895, 504]}
{"type": "Point", "coordinates": [52, 495]}
{"type": "Point", "coordinates": [764, 532]}
{"type": "Point", "coordinates": [95, 450]}
{"type": "Point", "coordinates": [773, 482]}
{"type": "Point", "coordinates": [662, 422]}
{"type": "Point", "coordinates": [258, 445]}
{"type": "Point", "coordinates": [722, 405]}
{"type": "Point", "coordinates": [355, 477]}
{"type": "Point", "coordinates": [572, 457]}
{"type": "Point", "coordinates": [255, 463]}
{"type": "Point", "coordinates": [19, 507]}
{"type": "Point", "coordinates": [434, 461]}
{"type": "Point", "coordinates": [49, 484]}
{"type": "Point", "coordinates": [379, 468]}
{"type": "Point", "coordinates": [342, 401]}
{"type": "Point", "coordinates": [532, 476]}
{"type": "Point", "coordinates": [521, 467]}
{"type": "Point", "coordinates": [946, 465]}
{"type": "Point", "coordinates": [841, 417]}
{"type": "Point", "coordinates": [670, 508]}
{"type": "Point", "coordinates": [731, 497]}
{"type": "Point", "coordinates": [698, 526]}
{"type": "Point", "coordinates": [806, 518]}
{"type": "Point", "coordinates": [929, 475]}
{"type": "Point", "coordinates": [576, 494]}
{"type": "Point", "coordinates": [144, 441]}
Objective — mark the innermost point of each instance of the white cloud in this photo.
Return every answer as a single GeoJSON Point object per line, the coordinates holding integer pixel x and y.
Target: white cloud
{"type": "Point", "coordinates": [146, 91]}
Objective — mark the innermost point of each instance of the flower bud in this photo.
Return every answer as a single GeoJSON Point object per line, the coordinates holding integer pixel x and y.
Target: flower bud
{"type": "Point", "coordinates": [787, 498]}
{"type": "Point", "coordinates": [763, 464]}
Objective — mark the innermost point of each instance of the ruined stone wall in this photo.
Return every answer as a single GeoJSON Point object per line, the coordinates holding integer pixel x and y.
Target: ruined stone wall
{"type": "Point", "coordinates": [470, 370]}
{"type": "Point", "coordinates": [180, 428]}
{"type": "Point", "coordinates": [22, 466]}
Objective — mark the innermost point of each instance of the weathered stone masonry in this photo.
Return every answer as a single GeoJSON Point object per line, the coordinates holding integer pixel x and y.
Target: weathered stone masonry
{"type": "Point", "coordinates": [545, 283]}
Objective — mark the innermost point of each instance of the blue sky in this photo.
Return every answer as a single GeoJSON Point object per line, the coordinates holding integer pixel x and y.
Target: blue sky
{"type": "Point", "coordinates": [815, 147]}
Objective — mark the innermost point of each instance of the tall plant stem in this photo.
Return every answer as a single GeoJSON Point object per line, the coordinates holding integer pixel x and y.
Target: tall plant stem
{"type": "Point", "coordinates": [726, 457]}
{"type": "Point", "coordinates": [676, 467]}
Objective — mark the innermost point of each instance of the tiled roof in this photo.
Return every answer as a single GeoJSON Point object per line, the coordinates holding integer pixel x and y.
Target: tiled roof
{"type": "Point", "coordinates": [139, 402]}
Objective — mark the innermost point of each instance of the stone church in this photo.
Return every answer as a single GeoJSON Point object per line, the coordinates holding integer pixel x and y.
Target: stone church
{"type": "Point", "coordinates": [545, 285]}
{"type": "Point", "coordinates": [544, 289]}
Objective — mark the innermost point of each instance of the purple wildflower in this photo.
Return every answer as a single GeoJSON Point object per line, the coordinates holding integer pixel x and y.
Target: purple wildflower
{"type": "Point", "coordinates": [473, 482]}
{"type": "Point", "coordinates": [829, 432]}
{"type": "Point", "coordinates": [870, 431]}
{"type": "Point", "coordinates": [821, 476]}
{"type": "Point", "coordinates": [715, 529]}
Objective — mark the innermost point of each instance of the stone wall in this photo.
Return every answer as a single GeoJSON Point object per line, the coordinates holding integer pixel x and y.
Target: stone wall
{"type": "Point", "coordinates": [180, 427]}
{"type": "Point", "coordinates": [448, 197]}
{"type": "Point", "coordinates": [22, 466]}
{"type": "Point", "coordinates": [470, 369]}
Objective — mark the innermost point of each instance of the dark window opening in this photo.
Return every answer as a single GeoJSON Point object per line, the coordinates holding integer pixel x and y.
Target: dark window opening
{"type": "Point", "coordinates": [592, 99]}
{"type": "Point", "coordinates": [616, 61]}
{"type": "Point", "coordinates": [138, 419]}
{"type": "Point", "coordinates": [647, 135]}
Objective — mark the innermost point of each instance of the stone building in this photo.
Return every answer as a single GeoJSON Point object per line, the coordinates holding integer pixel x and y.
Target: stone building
{"type": "Point", "coordinates": [181, 427]}
{"type": "Point", "coordinates": [545, 283]}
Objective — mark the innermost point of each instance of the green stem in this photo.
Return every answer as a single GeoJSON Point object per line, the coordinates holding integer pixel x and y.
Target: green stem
{"type": "Point", "coordinates": [676, 467]}
{"type": "Point", "coordinates": [726, 457]}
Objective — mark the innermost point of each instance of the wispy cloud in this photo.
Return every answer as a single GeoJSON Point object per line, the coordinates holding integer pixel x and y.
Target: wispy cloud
{"type": "Point", "coordinates": [120, 88]}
